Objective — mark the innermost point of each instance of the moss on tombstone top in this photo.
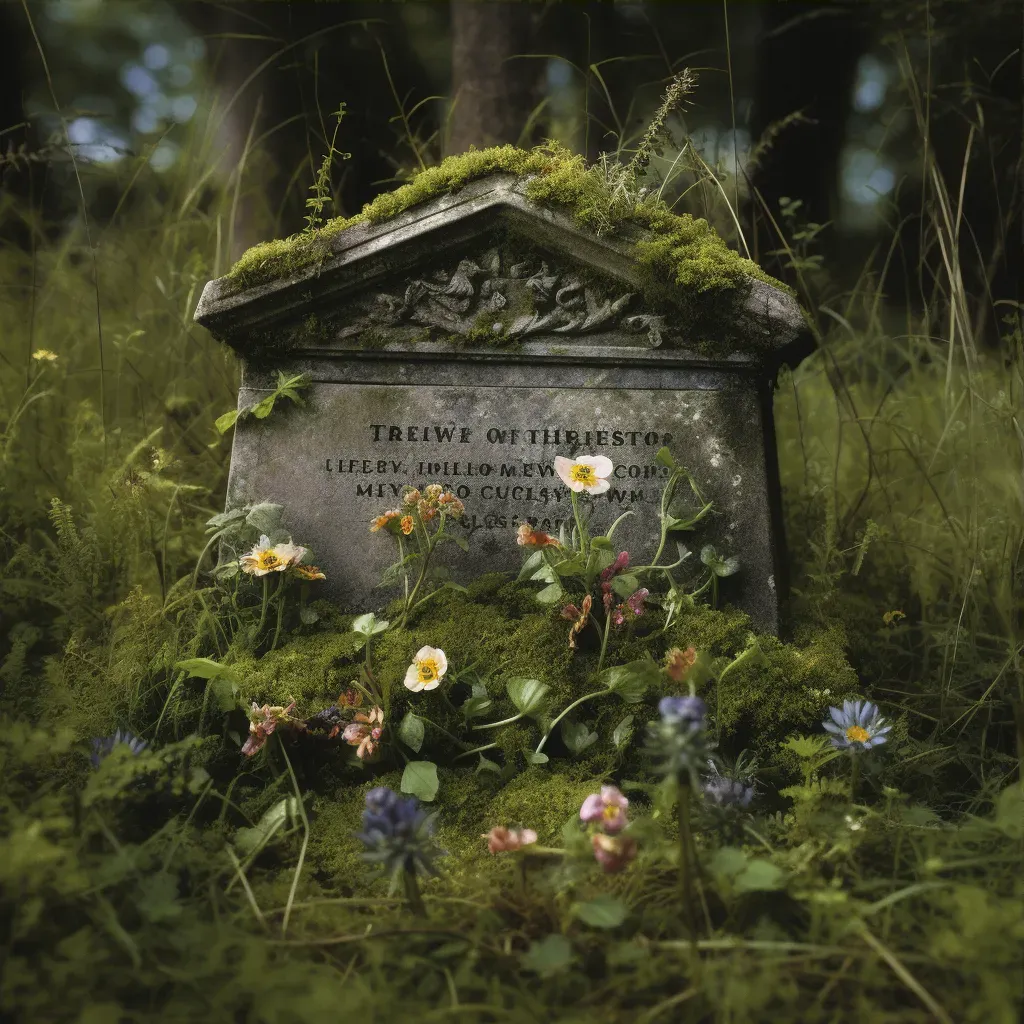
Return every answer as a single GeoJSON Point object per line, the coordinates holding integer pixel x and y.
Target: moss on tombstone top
{"type": "Point", "coordinates": [676, 250]}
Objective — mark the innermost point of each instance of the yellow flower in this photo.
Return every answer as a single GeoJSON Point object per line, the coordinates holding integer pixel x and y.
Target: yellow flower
{"type": "Point", "coordinates": [528, 537]}
{"type": "Point", "coordinates": [408, 523]}
{"type": "Point", "coordinates": [891, 618]}
{"type": "Point", "coordinates": [44, 355]}
{"type": "Point", "coordinates": [589, 473]}
{"type": "Point", "coordinates": [427, 669]}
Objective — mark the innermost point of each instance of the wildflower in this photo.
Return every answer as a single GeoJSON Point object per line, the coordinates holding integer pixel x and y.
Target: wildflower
{"type": "Point", "coordinates": [528, 537]}
{"type": "Point", "coordinates": [613, 853]}
{"type": "Point", "coordinates": [44, 355]}
{"type": "Point", "coordinates": [607, 808]}
{"type": "Point", "coordinates": [678, 663]}
{"type": "Point", "coordinates": [678, 742]}
{"type": "Point", "coordinates": [364, 732]}
{"type": "Point", "coordinates": [504, 840]}
{"type": "Point", "coordinates": [633, 606]}
{"type": "Point", "coordinates": [103, 746]}
{"type": "Point", "coordinates": [426, 510]}
{"type": "Point", "coordinates": [351, 698]}
{"type": "Point", "coordinates": [384, 520]}
{"type": "Point", "coordinates": [433, 492]}
{"type": "Point", "coordinates": [411, 497]}
{"type": "Point", "coordinates": [407, 524]}
{"type": "Point", "coordinates": [398, 833]}
{"type": "Point", "coordinates": [427, 669]}
{"type": "Point", "coordinates": [262, 559]}
{"type": "Point", "coordinates": [859, 726]}
{"type": "Point", "coordinates": [308, 572]}
{"type": "Point", "coordinates": [451, 505]}
{"type": "Point", "coordinates": [262, 723]}
{"type": "Point", "coordinates": [588, 474]}
{"type": "Point", "coordinates": [609, 573]}
{"type": "Point", "coordinates": [577, 626]}
{"type": "Point", "coordinates": [891, 618]}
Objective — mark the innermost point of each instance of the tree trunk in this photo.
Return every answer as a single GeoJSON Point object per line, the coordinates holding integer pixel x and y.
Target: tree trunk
{"type": "Point", "coordinates": [493, 87]}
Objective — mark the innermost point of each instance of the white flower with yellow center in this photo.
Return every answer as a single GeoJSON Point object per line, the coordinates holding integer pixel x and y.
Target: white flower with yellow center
{"type": "Point", "coordinates": [588, 474]}
{"type": "Point", "coordinates": [266, 557]}
{"type": "Point", "coordinates": [427, 669]}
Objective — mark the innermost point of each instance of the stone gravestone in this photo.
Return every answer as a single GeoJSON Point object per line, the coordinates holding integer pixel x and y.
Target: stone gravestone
{"type": "Point", "coordinates": [470, 340]}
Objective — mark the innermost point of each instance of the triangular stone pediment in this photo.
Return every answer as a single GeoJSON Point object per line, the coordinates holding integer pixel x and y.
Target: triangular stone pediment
{"type": "Point", "coordinates": [483, 269]}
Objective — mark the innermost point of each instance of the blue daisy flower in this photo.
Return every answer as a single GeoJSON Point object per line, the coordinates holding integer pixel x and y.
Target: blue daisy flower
{"type": "Point", "coordinates": [103, 746]}
{"type": "Point", "coordinates": [858, 726]}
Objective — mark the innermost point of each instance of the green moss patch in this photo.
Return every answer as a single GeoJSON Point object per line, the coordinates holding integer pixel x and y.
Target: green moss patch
{"type": "Point", "coordinates": [678, 251]}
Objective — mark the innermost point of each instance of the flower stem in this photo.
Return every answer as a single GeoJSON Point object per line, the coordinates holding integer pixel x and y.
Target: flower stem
{"type": "Point", "coordinates": [685, 876]}
{"type": "Point", "coordinates": [854, 776]}
{"type": "Point", "coordinates": [581, 534]}
{"type": "Point", "coordinates": [494, 725]}
{"type": "Point", "coordinates": [412, 893]}
{"type": "Point", "coordinates": [263, 608]}
{"type": "Point", "coordinates": [604, 640]}
{"type": "Point", "coordinates": [475, 750]}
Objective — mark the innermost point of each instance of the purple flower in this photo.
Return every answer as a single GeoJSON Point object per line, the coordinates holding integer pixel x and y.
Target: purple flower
{"type": "Point", "coordinates": [103, 746]}
{"type": "Point", "coordinates": [690, 710]}
{"type": "Point", "coordinates": [621, 564]}
{"type": "Point", "coordinates": [859, 726]}
{"type": "Point", "coordinates": [635, 601]}
{"type": "Point", "coordinates": [398, 833]}
{"type": "Point", "coordinates": [607, 808]}
{"type": "Point", "coordinates": [613, 853]}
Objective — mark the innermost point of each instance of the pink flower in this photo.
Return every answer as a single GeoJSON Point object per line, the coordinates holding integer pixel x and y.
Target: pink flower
{"type": "Point", "coordinates": [613, 853]}
{"type": "Point", "coordinates": [364, 732]}
{"type": "Point", "coordinates": [263, 721]}
{"type": "Point", "coordinates": [635, 601]}
{"type": "Point", "coordinates": [607, 808]}
{"type": "Point", "coordinates": [501, 839]}
{"type": "Point", "coordinates": [621, 564]}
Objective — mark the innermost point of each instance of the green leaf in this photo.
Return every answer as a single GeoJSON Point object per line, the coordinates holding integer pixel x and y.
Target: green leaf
{"type": "Point", "coordinates": [204, 668]}
{"type": "Point", "coordinates": [265, 517]}
{"type": "Point", "coordinates": [602, 543]}
{"type": "Point", "coordinates": [631, 681]}
{"type": "Point", "coordinates": [604, 911]}
{"type": "Point", "coordinates": [551, 594]}
{"type": "Point", "coordinates": [225, 692]}
{"type": "Point", "coordinates": [728, 861]}
{"type": "Point", "coordinates": [369, 624]}
{"type": "Point", "coordinates": [577, 736]}
{"type": "Point", "coordinates": [530, 565]}
{"type": "Point", "coordinates": [760, 875]}
{"type": "Point", "coordinates": [623, 732]}
{"type": "Point", "coordinates": [485, 765]}
{"type": "Point", "coordinates": [420, 780]}
{"type": "Point", "coordinates": [222, 519]}
{"type": "Point", "coordinates": [665, 458]}
{"type": "Point", "coordinates": [411, 731]}
{"type": "Point", "coordinates": [570, 567]}
{"type": "Point", "coordinates": [263, 408]}
{"type": "Point", "coordinates": [533, 757]}
{"type": "Point", "coordinates": [479, 704]}
{"type": "Point", "coordinates": [1009, 817]}
{"type": "Point", "coordinates": [550, 956]}
{"type": "Point", "coordinates": [528, 695]}
{"type": "Point", "coordinates": [226, 422]}
{"type": "Point", "coordinates": [308, 615]}
{"type": "Point", "coordinates": [251, 840]}
{"type": "Point", "coordinates": [624, 586]}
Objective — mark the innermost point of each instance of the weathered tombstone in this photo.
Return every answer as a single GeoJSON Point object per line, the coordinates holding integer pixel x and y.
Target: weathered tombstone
{"type": "Point", "coordinates": [471, 339]}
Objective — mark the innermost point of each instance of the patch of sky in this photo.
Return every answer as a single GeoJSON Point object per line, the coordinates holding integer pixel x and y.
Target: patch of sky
{"type": "Point", "coordinates": [94, 141]}
{"type": "Point", "coordinates": [138, 81]}
{"type": "Point", "coordinates": [156, 56]}
{"type": "Point", "coordinates": [163, 156]}
{"type": "Point", "coordinates": [866, 176]}
{"type": "Point", "coordinates": [871, 84]}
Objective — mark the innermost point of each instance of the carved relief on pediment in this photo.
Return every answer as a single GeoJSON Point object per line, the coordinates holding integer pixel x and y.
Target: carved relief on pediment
{"type": "Point", "coordinates": [503, 296]}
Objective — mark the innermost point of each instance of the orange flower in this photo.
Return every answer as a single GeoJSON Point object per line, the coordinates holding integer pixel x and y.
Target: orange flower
{"type": "Point", "coordinates": [528, 537]}
{"type": "Point", "coordinates": [308, 572]}
{"type": "Point", "coordinates": [408, 524]}
{"type": "Point", "coordinates": [384, 520]}
{"type": "Point", "coordinates": [678, 663]}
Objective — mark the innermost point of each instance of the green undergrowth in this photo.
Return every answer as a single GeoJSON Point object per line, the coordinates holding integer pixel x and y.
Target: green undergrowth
{"type": "Point", "coordinates": [678, 252]}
